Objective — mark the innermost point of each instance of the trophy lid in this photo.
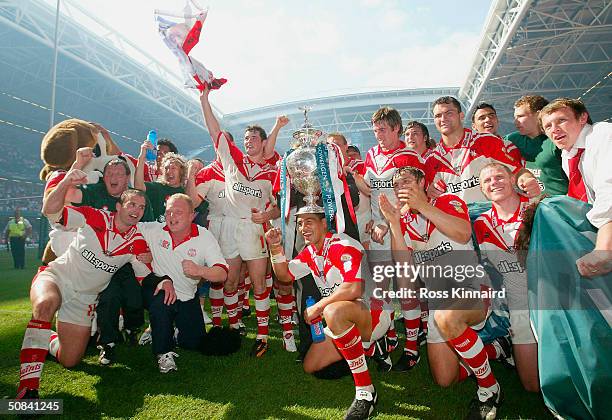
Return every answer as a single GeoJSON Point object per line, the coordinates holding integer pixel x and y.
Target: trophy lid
{"type": "Point", "coordinates": [307, 135]}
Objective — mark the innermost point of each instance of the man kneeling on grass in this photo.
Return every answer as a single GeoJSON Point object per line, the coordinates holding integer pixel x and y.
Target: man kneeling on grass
{"type": "Point", "coordinates": [183, 255]}
{"type": "Point", "coordinates": [437, 233]}
{"type": "Point", "coordinates": [70, 284]}
{"type": "Point", "coordinates": [335, 262]}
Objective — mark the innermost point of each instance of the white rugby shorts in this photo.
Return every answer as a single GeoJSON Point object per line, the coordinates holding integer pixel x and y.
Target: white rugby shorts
{"type": "Point", "coordinates": [76, 307]}
{"type": "Point", "coordinates": [243, 238]}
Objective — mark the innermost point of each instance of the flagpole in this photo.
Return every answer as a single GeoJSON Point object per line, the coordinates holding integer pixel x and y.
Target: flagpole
{"type": "Point", "coordinates": [44, 226]}
{"type": "Point", "coordinates": [54, 76]}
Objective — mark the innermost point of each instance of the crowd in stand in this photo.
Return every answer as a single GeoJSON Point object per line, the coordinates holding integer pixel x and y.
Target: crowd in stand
{"type": "Point", "coordinates": [16, 193]}
{"type": "Point", "coordinates": [18, 164]}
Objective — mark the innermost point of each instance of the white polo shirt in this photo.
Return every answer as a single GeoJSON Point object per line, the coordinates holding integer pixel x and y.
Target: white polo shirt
{"type": "Point", "coordinates": [594, 165]}
{"type": "Point", "coordinates": [200, 246]}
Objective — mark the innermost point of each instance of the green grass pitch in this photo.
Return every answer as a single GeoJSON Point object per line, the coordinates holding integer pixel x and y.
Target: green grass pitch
{"type": "Point", "coordinates": [233, 387]}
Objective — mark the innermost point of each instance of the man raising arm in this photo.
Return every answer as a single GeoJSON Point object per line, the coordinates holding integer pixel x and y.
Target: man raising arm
{"type": "Point", "coordinates": [70, 284]}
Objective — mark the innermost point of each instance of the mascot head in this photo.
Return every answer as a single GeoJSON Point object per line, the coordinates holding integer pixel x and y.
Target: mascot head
{"type": "Point", "coordinates": [59, 146]}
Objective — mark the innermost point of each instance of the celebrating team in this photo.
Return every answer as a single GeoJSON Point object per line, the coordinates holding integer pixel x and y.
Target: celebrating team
{"type": "Point", "coordinates": [412, 201]}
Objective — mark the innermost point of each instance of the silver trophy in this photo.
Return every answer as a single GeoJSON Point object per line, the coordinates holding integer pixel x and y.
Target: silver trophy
{"type": "Point", "coordinates": [302, 165]}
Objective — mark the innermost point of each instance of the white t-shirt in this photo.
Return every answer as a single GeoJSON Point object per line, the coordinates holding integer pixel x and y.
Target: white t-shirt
{"type": "Point", "coordinates": [200, 246]}
{"type": "Point", "coordinates": [594, 165]}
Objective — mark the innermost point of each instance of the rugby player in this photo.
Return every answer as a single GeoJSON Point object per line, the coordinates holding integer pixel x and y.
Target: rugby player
{"type": "Point", "coordinates": [248, 177]}
{"type": "Point", "coordinates": [430, 233]}
{"type": "Point", "coordinates": [69, 285]}
{"type": "Point", "coordinates": [496, 231]}
{"type": "Point", "coordinates": [336, 262]}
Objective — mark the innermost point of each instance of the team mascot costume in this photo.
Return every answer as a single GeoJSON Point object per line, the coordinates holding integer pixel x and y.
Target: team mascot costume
{"type": "Point", "coordinates": [58, 152]}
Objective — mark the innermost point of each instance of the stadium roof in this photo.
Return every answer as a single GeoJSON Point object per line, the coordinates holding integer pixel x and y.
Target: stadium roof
{"type": "Point", "coordinates": [553, 48]}
{"type": "Point", "coordinates": [96, 78]}
{"type": "Point", "coordinates": [349, 114]}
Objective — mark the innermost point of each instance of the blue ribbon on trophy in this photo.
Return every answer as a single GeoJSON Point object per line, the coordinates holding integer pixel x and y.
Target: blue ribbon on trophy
{"type": "Point", "coordinates": [312, 173]}
{"type": "Point", "coordinates": [327, 191]}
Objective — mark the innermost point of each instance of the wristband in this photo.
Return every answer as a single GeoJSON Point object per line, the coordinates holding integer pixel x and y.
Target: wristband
{"type": "Point", "coordinates": [277, 258]}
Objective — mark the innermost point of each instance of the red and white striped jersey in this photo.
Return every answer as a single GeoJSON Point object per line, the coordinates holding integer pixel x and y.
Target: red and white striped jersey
{"type": "Point", "coordinates": [54, 178]}
{"type": "Point", "coordinates": [426, 153]}
{"type": "Point", "coordinates": [357, 165]}
{"type": "Point", "coordinates": [496, 238]}
{"type": "Point", "coordinates": [247, 184]}
{"type": "Point", "coordinates": [426, 239]}
{"type": "Point", "coordinates": [457, 168]}
{"type": "Point", "coordinates": [59, 238]}
{"type": "Point", "coordinates": [379, 170]}
{"type": "Point", "coordinates": [275, 159]}
{"type": "Point", "coordinates": [210, 185]}
{"type": "Point", "coordinates": [337, 262]}
{"type": "Point", "coordinates": [98, 250]}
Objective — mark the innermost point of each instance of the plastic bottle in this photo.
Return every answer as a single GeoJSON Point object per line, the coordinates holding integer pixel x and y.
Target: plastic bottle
{"type": "Point", "coordinates": [316, 329]}
{"type": "Point", "coordinates": [152, 153]}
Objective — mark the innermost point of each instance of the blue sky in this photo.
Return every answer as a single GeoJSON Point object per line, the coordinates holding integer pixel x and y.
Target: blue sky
{"type": "Point", "coordinates": [274, 51]}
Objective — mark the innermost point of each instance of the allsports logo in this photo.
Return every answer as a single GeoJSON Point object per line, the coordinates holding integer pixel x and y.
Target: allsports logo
{"type": "Point", "coordinates": [357, 364]}
{"type": "Point", "coordinates": [327, 291]}
{"type": "Point", "coordinates": [246, 190]}
{"type": "Point", "coordinates": [454, 188]}
{"type": "Point", "coordinates": [505, 267]}
{"type": "Point", "coordinates": [379, 184]}
{"type": "Point", "coordinates": [481, 370]}
{"type": "Point", "coordinates": [432, 254]}
{"type": "Point", "coordinates": [97, 263]}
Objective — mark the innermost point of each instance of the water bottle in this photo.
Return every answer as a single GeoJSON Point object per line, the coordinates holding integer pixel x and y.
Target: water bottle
{"type": "Point", "coordinates": [316, 329]}
{"type": "Point", "coordinates": [152, 153]}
